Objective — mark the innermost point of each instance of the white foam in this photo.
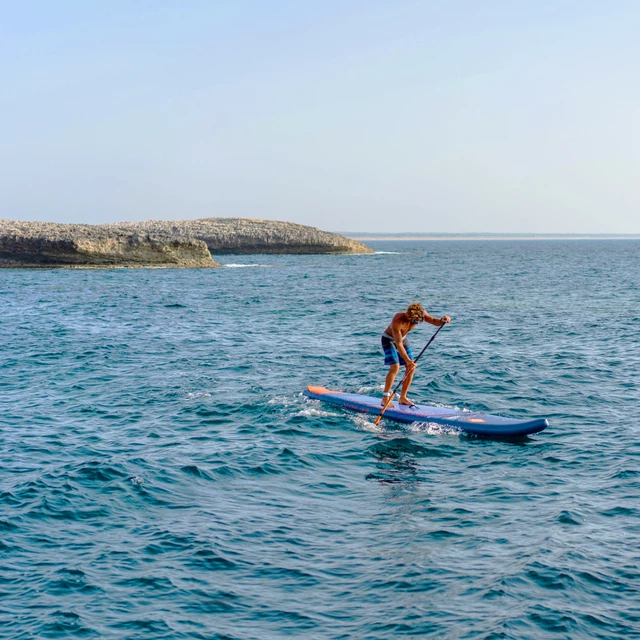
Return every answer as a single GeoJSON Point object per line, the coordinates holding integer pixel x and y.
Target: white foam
{"type": "Point", "coordinates": [433, 429]}
{"type": "Point", "coordinates": [198, 394]}
{"type": "Point", "coordinates": [376, 389]}
{"type": "Point", "coordinates": [281, 400]}
{"type": "Point", "coordinates": [312, 412]}
{"type": "Point", "coordinates": [366, 424]}
{"type": "Point", "coordinates": [386, 253]}
{"type": "Point", "coordinates": [307, 407]}
{"type": "Point", "coordinates": [439, 405]}
{"type": "Point", "coordinates": [243, 266]}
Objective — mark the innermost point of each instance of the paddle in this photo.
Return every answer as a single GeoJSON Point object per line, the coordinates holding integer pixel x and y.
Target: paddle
{"type": "Point", "coordinates": [405, 376]}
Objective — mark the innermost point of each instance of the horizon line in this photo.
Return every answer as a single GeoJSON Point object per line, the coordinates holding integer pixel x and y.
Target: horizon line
{"type": "Point", "coordinates": [363, 236]}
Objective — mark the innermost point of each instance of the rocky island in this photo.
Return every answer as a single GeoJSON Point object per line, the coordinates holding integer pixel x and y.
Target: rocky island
{"type": "Point", "coordinates": [181, 243]}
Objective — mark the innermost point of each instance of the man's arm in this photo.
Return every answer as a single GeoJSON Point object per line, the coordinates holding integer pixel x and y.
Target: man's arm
{"type": "Point", "coordinates": [398, 338]}
{"type": "Point", "coordinates": [436, 322]}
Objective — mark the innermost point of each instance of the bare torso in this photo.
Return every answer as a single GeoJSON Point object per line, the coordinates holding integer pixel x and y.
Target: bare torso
{"type": "Point", "coordinates": [399, 327]}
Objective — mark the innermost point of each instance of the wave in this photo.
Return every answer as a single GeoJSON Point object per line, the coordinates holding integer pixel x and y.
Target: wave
{"type": "Point", "coordinates": [233, 265]}
{"type": "Point", "coordinates": [433, 429]}
{"type": "Point", "coordinates": [170, 454]}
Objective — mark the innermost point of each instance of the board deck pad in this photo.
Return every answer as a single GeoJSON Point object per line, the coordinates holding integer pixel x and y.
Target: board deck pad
{"type": "Point", "coordinates": [469, 421]}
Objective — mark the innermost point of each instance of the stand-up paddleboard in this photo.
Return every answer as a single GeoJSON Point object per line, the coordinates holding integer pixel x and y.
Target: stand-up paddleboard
{"type": "Point", "coordinates": [477, 423]}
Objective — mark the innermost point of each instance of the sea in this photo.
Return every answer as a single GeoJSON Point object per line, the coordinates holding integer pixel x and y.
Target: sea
{"type": "Point", "coordinates": [162, 475]}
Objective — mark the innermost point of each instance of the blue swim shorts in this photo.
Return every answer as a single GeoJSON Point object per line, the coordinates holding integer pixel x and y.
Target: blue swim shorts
{"type": "Point", "coordinates": [391, 355]}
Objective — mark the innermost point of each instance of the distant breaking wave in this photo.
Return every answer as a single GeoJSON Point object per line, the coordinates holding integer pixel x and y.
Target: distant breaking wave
{"type": "Point", "coordinates": [243, 266]}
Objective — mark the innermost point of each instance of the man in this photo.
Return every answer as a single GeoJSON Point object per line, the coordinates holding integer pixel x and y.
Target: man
{"type": "Point", "coordinates": [398, 352]}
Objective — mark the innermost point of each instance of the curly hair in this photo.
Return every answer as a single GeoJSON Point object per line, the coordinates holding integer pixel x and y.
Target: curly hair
{"type": "Point", "coordinates": [415, 312]}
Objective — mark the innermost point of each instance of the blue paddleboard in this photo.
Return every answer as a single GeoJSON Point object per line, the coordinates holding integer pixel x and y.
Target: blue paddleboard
{"type": "Point", "coordinates": [477, 423]}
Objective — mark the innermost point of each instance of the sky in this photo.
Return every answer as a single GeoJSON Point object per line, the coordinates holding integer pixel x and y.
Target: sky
{"type": "Point", "coordinates": [461, 116]}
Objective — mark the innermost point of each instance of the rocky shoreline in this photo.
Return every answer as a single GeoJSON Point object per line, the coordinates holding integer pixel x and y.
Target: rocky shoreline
{"type": "Point", "coordinates": [158, 243]}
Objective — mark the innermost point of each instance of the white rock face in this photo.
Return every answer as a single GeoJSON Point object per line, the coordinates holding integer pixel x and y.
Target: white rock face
{"type": "Point", "coordinates": [183, 243]}
{"type": "Point", "coordinates": [46, 245]}
{"type": "Point", "coordinates": [248, 235]}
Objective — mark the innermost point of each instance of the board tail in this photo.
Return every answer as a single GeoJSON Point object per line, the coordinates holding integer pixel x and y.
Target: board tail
{"type": "Point", "coordinates": [319, 391]}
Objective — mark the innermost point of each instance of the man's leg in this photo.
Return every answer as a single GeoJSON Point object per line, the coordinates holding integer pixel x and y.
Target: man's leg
{"type": "Point", "coordinates": [388, 383]}
{"type": "Point", "coordinates": [405, 387]}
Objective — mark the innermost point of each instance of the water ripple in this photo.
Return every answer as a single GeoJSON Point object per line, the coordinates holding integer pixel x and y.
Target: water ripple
{"type": "Point", "coordinates": [162, 476]}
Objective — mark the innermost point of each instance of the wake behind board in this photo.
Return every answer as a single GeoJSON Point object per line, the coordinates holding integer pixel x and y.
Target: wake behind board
{"type": "Point", "coordinates": [476, 423]}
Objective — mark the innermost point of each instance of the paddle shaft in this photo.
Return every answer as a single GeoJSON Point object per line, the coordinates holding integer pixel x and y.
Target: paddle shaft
{"type": "Point", "coordinates": [393, 393]}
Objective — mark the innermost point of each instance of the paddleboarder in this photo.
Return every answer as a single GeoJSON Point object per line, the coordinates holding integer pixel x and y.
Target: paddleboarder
{"type": "Point", "coordinates": [398, 352]}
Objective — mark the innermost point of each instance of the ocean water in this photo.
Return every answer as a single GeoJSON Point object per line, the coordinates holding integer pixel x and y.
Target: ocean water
{"type": "Point", "coordinates": [161, 475]}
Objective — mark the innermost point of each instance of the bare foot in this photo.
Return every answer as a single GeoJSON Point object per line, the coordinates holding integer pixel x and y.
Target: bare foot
{"type": "Point", "coordinates": [386, 400]}
{"type": "Point", "coordinates": [406, 402]}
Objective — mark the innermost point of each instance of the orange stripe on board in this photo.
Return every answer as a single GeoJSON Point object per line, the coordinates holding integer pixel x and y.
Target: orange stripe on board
{"type": "Point", "coordinates": [319, 391]}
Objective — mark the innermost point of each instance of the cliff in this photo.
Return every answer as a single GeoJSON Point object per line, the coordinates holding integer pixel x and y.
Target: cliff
{"type": "Point", "coordinates": [47, 244]}
{"type": "Point", "coordinates": [248, 235]}
{"type": "Point", "coordinates": [183, 243]}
